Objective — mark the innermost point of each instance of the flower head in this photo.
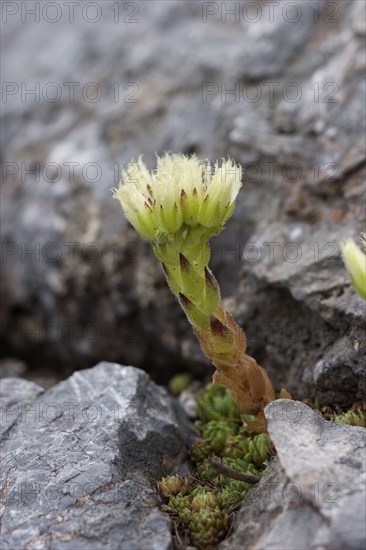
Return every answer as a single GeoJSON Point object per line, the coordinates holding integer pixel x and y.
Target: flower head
{"type": "Point", "coordinates": [355, 261]}
{"type": "Point", "coordinates": [181, 193]}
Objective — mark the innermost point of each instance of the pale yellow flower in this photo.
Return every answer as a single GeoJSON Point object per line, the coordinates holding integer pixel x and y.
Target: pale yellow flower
{"type": "Point", "coordinates": [181, 193]}
{"type": "Point", "coordinates": [355, 261]}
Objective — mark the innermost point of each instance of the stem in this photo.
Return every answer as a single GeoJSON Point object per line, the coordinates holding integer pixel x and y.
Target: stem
{"type": "Point", "coordinates": [229, 472]}
{"type": "Point", "coordinates": [220, 337]}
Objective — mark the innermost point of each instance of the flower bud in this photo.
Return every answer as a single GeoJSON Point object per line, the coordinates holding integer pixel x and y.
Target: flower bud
{"type": "Point", "coordinates": [355, 261]}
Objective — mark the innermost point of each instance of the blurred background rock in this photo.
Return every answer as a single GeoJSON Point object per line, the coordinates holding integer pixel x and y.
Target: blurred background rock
{"type": "Point", "coordinates": [278, 86]}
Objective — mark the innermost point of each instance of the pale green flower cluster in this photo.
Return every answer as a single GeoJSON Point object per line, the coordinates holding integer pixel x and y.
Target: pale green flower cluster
{"type": "Point", "coordinates": [183, 193]}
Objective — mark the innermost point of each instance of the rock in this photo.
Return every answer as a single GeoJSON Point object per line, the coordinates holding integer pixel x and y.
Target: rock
{"type": "Point", "coordinates": [79, 462]}
{"type": "Point", "coordinates": [305, 321]}
{"type": "Point", "coordinates": [92, 290]}
{"type": "Point", "coordinates": [314, 494]}
{"type": "Point", "coordinates": [16, 396]}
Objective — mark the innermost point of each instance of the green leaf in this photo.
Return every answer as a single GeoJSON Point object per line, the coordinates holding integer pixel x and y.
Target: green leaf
{"type": "Point", "coordinates": [195, 316]}
{"type": "Point", "coordinates": [192, 282]}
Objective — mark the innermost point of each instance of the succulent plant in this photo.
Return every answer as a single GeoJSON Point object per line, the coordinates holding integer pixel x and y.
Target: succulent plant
{"type": "Point", "coordinates": [207, 473]}
{"type": "Point", "coordinates": [199, 451]}
{"type": "Point", "coordinates": [179, 383]}
{"type": "Point", "coordinates": [172, 485]}
{"type": "Point", "coordinates": [353, 418]}
{"type": "Point", "coordinates": [212, 488]}
{"type": "Point", "coordinates": [236, 446]}
{"type": "Point", "coordinates": [182, 506]}
{"type": "Point", "coordinates": [178, 208]}
{"type": "Point", "coordinates": [204, 499]}
{"type": "Point", "coordinates": [229, 496]}
{"type": "Point", "coordinates": [217, 432]}
{"type": "Point", "coordinates": [243, 467]}
{"type": "Point", "coordinates": [216, 403]}
{"type": "Point", "coordinates": [207, 526]}
{"type": "Point", "coordinates": [259, 450]}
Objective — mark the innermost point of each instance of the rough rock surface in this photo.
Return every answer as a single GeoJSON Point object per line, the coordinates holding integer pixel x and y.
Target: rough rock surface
{"type": "Point", "coordinates": [79, 460]}
{"type": "Point", "coordinates": [15, 396]}
{"type": "Point", "coordinates": [315, 494]}
{"type": "Point", "coordinates": [93, 290]}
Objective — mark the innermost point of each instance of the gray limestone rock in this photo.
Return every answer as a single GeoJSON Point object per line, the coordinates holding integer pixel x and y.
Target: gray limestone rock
{"type": "Point", "coordinates": [16, 396]}
{"type": "Point", "coordinates": [78, 464]}
{"type": "Point", "coordinates": [314, 495]}
{"type": "Point", "coordinates": [280, 88]}
{"type": "Point", "coordinates": [305, 322]}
